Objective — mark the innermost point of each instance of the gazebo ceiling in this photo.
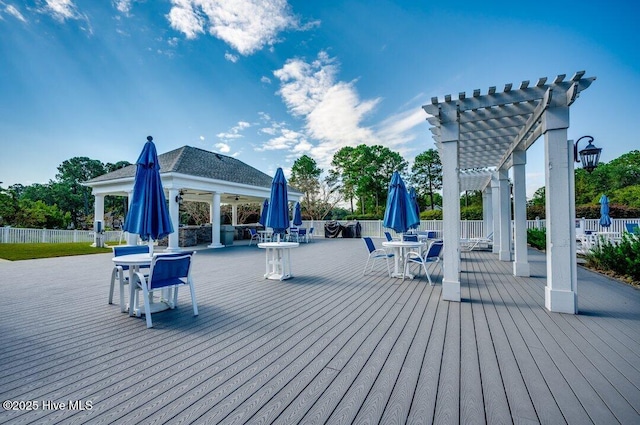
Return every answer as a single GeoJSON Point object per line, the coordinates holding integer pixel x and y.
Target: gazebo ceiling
{"type": "Point", "coordinates": [492, 126]}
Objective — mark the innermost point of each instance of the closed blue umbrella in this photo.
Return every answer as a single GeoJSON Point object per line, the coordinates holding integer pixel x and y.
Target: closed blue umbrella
{"type": "Point", "coordinates": [399, 215]}
{"type": "Point", "coordinates": [148, 214]}
{"type": "Point", "coordinates": [278, 214]}
{"type": "Point", "coordinates": [414, 200]}
{"type": "Point", "coordinates": [297, 215]}
{"type": "Point", "coordinates": [605, 220]}
{"type": "Point", "coordinates": [263, 215]}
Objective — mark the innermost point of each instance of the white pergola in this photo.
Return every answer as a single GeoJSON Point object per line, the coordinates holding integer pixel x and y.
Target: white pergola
{"type": "Point", "coordinates": [480, 138]}
{"type": "Point", "coordinates": [193, 174]}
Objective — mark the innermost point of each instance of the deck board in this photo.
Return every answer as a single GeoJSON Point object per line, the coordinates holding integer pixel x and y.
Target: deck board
{"type": "Point", "coordinates": [328, 346]}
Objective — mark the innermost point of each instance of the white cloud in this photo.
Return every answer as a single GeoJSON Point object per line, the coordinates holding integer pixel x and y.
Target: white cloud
{"type": "Point", "coordinates": [13, 11]}
{"type": "Point", "coordinates": [202, 138]}
{"type": "Point", "coordinates": [223, 147]}
{"type": "Point", "coordinates": [61, 9]}
{"type": "Point", "coordinates": [231, 57]}
{"type": "Point", "coordinates": [245, 25]}
{"type": "Point", "coordinates": [265, 80]}
{"type": "Point", "coordinates": [123, 6]}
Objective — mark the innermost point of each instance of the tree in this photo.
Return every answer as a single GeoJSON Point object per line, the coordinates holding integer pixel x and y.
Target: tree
{"type": "Point", "coordinates": [363, 173]}
{"type": "Point", "coordinates": [71, 195]}
{"type": "Point", "coordinates": [305, 176]}
{"type": "Point", "coordinates": [426, 174]}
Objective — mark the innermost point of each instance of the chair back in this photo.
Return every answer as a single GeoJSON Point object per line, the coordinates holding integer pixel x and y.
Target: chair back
{"type": "Point", "coordinates": [431, 234]}
{"type": "Point", "coordinates": [171, 269]}
{"type": "Point", "coordinates": [410, 238]}
{"type": "Point", "coordinates": [434, 249]}
{"type": "Point", "coordinates": [130, 249]}
{"type": "Point", "coordinates": [369, 243]}
{"type": "Point", "coordinates": [388, 236]}
{"type": "Point", "coordinates": [311, 231]}
{"type": "Point", "coordinates": [252, 231]}
{"type": "Point", "coordinates": [302, 231]}
{"type": "Point", "coordinates": [633, 228]}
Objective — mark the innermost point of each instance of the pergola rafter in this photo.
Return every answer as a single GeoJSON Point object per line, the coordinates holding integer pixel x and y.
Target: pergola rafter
{"type": "Point", "coordinates": [493, 132]}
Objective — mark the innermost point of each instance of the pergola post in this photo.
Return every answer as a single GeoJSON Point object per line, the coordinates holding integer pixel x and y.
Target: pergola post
{"type": "Point", "coordinates": [521, 257]}
{"type": "Point", "coordinates": [215, 226]}
{"type": "Point", "coordinates": [561, 291]}
{"type": "Point", "coordinates": [504, 213]}
{"type": "Point", "coordinates": [495, 202]}
{"type": "Point", "coordinates": [174, 213]}
{"type": "Point", "coordinates": [487, 211]}
{"type": "Point", "coordinates": [451, 216]}
{"type": "Point", "coordinates": [234, 214]}
{"type": "Point", "coordinates": [132, 238]}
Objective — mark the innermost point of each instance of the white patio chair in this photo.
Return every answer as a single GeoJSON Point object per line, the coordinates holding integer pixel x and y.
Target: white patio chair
{"type": "Point", "coordinates": [375, 254]}
{"type": "Point", "coordinates": [119, 271]}
{"type": "Point", "coordinates": [167, 272]}
{"type": "Point", "coordinates": [431, 255]}
{"type": "Point", "coordinates": [476, 243]}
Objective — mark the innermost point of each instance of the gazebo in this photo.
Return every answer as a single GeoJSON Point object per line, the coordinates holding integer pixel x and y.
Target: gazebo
{"type": "Point", "coordinates": [480, 138]}
{"type": "Point", "coordinates": [193, 174]}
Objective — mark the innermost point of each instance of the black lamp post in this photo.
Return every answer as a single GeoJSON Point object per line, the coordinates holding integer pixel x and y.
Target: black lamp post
{"type": "Point", "coordinates": [179, 198]}
{"type": "Point", "coordinates": [589, 156]}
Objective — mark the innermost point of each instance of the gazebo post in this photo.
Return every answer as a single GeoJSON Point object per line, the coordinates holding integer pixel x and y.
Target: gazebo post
{"type": "Point", "coordinates": [215, 222]}
{"type": "Point", "coordinates": [98, 215]}
{"type": "Point", "coordinates": [174, 212]}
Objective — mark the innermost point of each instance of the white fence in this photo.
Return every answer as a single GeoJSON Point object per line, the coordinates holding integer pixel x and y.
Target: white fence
{"type": "Point", "coordinates": [373, 228]}
{"type": "Point", "coordinates": [471, 228]}
{"type": "Point", "coordinates": [21, 235]}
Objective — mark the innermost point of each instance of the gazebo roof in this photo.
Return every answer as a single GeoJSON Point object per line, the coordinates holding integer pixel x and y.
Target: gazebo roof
{"type": "Point", "coordinates": [492, 126]}
{"type": "Point", "coordinates": [197, 162]}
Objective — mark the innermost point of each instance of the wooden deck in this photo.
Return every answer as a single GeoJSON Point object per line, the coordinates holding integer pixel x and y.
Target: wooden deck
{"type": "Point", "coordinates": [328, 346]}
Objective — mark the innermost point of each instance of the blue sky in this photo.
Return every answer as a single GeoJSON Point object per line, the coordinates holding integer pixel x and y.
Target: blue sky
{"type": "Point", "coordinates": [268, 81]}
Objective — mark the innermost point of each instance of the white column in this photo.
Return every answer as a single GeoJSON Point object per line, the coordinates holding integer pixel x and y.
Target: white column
{"type": "Point", "coordinates": [521, 257]}
{"type": "Point", "coordinates": [495, 202]}
{"type": "Point", "coordinates": [450, 221]}
{"type": "Point", "coordinates": [234, 214]}
{"type": "Point", "coordinates": [487, 211]}
{"type": "Point", "coordinates": [215, 228]}
{"type": "Point", "coordinates": [98, 215]}
{"type": "Point", "coordinates": [174, 213]}
{"type": "Point", "coordinates": [132, 238]}
{"type": "Point", "coordinates": [504, 199]}
{"type": "Point", "coordinates": [561, 291]}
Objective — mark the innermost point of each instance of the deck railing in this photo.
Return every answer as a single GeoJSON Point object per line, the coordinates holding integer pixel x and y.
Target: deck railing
{"type": "Point", "coordinates": [373, 228]}
{"type": "Point", "coordinates": [23, 235]}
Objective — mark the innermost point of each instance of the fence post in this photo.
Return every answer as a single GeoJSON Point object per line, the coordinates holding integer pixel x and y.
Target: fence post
{"type": "Point", "coordinates": [44, 235]}
{"type": "Point", "coordinates": [75, 235]}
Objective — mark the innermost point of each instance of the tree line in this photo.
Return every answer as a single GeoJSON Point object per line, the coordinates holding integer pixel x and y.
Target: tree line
{"type": "Point", "coordinates": [358, 177]}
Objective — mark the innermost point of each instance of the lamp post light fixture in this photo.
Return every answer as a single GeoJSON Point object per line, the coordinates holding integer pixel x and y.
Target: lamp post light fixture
{"type": "Point", "coordinates": [179, 198]}
{"type": "Point", "coordinates": [589, 156]}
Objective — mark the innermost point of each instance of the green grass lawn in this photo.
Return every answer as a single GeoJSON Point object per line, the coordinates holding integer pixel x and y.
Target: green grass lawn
{"type": "Point", "coordinates": [27, 251]}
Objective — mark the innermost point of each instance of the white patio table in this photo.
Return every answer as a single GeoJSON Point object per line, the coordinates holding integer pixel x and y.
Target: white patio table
{"type": "Point", "coordinates": [400, 248]}
{"type": "Point", "coordinates": [135, 261]}
{"type": "Point", "coordinates": [278, 259]}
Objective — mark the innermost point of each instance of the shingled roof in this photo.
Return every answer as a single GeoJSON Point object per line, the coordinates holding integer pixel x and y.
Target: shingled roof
{"type": "Point", "coordinates": [201, 163]}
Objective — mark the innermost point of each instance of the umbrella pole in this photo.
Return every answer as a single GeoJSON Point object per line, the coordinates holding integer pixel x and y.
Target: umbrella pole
{"type": "Point", "coordinates": [151, 247]}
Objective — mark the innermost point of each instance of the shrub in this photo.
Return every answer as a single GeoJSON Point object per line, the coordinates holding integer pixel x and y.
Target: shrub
{"type": "Point", "coordinates": [431, 215]}
{"type": "Point", "coordinates": [622, 258]}
{"type": "Point", "coordinates": [537, 238]}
